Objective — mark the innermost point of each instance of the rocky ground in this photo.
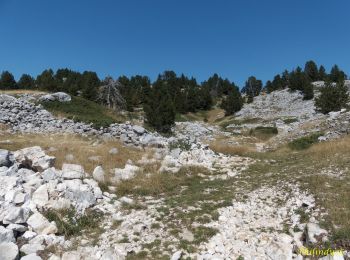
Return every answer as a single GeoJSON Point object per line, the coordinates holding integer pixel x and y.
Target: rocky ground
{"type": "Point", "coordinates": [180, 200]}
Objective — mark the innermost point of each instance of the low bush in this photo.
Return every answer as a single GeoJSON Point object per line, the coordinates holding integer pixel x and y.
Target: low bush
{"type": "Point", "coordinates": [290, 120]}
{"type": "Point", "coordinates": [304, 142]}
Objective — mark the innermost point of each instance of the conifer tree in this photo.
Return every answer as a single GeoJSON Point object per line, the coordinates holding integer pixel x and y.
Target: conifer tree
{"type": "Point", "coordinates": [337, 75]}
{"type": "Point", "coordinates": [332, 98]}
{"type": "Point", "coordinates": [26, 82]}
{"type": "Point", "coordinates": [233, 102]}
{"type": "Point", "coordinates": [322, 74]}
{"type": "Point", "coordinates": [7, 80]}
{"type": "Point", "coordinates": [46, 81]}
{"type": "Point", "coordinates": [311, 70]}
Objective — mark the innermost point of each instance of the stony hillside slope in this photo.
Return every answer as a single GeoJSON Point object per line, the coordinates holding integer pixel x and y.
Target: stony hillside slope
{"type": "Point", "coordinates": [178, 198]}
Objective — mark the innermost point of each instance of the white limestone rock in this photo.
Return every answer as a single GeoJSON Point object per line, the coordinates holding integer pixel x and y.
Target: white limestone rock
{"type": "Point", "coordinates": [99, 174]}
{"type": "Point", "coordinates": [9, 251]}
{"type": "Point", "coordinates": [127, 173]}
{"type": "Point", "coordinates": [35, 158]}
{"type": "Point", "coordinates": [6, 235]}
{"type": "Point", "coordinates": [72, 171]}
{"type": "Point", "coordinates": [41, 196]}
{"type": "Point", "coordinates": [41, 225]}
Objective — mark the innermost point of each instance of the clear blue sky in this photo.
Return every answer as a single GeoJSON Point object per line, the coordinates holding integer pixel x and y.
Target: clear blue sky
{"type": "Point", "coordinates": [235, 38]}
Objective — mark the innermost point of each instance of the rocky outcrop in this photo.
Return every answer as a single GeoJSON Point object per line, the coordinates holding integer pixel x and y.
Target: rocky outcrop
{"type": "Point", "coordinates": [26, 117]}
{"type": "Point", "coordinates": [29, 186]}
{"type": "Point", "coordinates": [58, 96]}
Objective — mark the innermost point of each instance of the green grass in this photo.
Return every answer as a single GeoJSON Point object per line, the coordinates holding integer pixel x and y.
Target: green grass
{"type": "Point", "coordinates": [290, 120]}
{"type": "Point", "coordinates": [229, 121]}
{"type": "Point", "coordinates": [70, 224]}
{"type": "Point", "coordinates": [263, 132]}
{"type": "Point", "coordinates": [304, 142]}
{"type": "Point", "coordinates": [182, 144]}
{"type": "Point", "coordinates": [82, 110]}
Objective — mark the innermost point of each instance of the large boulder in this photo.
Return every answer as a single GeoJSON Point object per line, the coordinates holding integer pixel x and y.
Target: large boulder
{"type": "Point", "coordinates": [72, 171]}
{"type": "Point", "coordinates": [9, 251]}
{"type": "Point", "coordinates": [99, 174]}
{"type": "Point", "coordinates": [6, 158]}
{"type": "Point", "coordinates": [35, 158]}
{"type": "Point", "coordinates": [15, 215]}
{"type": "Point", "coordinates": [41, 225]}
{"type": "Point", "coordinates": [58, 96]}
{"type": "Point", "coordinates": [41, 196]}
{"type": "Point", "coordinates": [6, 235]}
{"type": "Point", "coordinates": [127, 173]}
{"type": "Point", "coordinates": [139, 129]}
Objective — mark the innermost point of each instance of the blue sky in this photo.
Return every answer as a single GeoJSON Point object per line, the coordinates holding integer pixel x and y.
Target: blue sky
{"type": "Point", "coordinates": [235, 38]}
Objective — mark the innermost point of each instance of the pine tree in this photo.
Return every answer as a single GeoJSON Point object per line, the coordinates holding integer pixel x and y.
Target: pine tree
{"type": "Point", "coordinates": [322, 74]}
{"type": "Point", "coordinates": [46, 81]}
{"type": "Point", "coordinates": [205, 100]}
{"type": "Point", "coordinates": [26, 82]}
{"type": "Point", "coordinates": [298, 80]}
{"type": "Point", "coordinates": [337, 75]}
{"type": "Point", "coordinates": [332, 98]}
{"type": "Point", "coordinates": [233, 102]}
{"type": "Point", "coordinates": [7, 81]}
{"type": "Point", "coordinates": [160, 110]}
{"type": "Point", "coordinates": [308, 91]}
{"type": "Point", "coordinates": [90, 84]}
{"type": "Point", "coordinates": [311, 70]}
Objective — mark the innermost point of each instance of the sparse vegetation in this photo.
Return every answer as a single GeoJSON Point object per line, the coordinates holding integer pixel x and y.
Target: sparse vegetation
{"type": "Point", "coordinates": [70, 224]}
{"type": "Point", "coordinates": [81, 148]}
{"type": "Point", "coordinates": [304, 142]}
{"type": "Point", "coordinates": [263, 132]}
{"type": "Point", "coordinates": [82, 110]}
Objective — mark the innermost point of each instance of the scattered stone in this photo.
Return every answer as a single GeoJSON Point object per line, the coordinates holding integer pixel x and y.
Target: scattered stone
{"type": "Point", "coordinates": [6, 235]}
{"type": "Point", "coordinates": [9, 251]}
{"type": "Point", "coordinates": [73, 255]}
{"type": "Point", "coordinates": [35, 158]}
{"type": "Point", "coordinates": [6, 159]}
{"type": "Point", "coordinates": [69, 157]}
{"type": "Point", "coordinates": [99, 174]}
{"type": "Point", "coordinates": [314, 231]}
{"type": "Point", "coordinates": [31, 248]}
{"type": "Point", "coordinates": [72, 171]}
{"type": "Point", "coordinates": [41, 197]}
{"type": "Point", "coordinates": [177, 255]}
{"type": "Point", "coordinates": [113, 151]}
{"type": "Point", "coordinates": [41, 225]}
{"type": "Point", "coordinates": [127, 173]}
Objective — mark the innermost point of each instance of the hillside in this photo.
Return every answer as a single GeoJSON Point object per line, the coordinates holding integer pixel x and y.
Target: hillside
{"type": "Point", "coordinates": [262, 184]}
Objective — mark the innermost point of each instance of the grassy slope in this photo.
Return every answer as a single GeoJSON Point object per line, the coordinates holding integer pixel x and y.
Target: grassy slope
{"type": "Point", "coordinates": [80, 109]}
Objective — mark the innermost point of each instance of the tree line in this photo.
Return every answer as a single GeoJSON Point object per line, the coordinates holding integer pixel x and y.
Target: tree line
{"type": "Point", "coordinates": [172, 94]}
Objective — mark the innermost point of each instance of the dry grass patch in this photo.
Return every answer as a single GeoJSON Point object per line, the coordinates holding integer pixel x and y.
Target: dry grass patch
{"type": "Point", "coordinates": [149, 181]}
{"type": "Point", "coordinates": [325, 149]}
{"type": "Point", "coordinates": [4, 127]}
{"type": "Point", "coordinates": [222, 146]}
{"type": "Point", "coordinates": [81, 148]}
{"type": "Point", "coordinates": [22, 91]}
